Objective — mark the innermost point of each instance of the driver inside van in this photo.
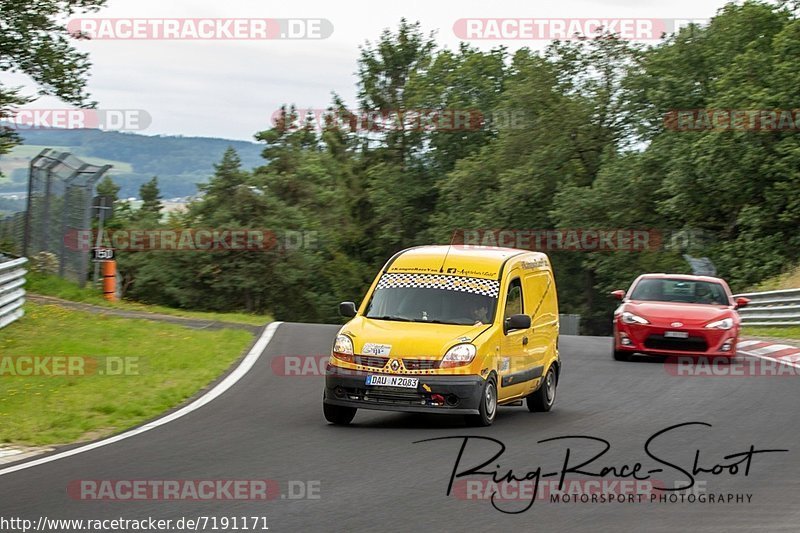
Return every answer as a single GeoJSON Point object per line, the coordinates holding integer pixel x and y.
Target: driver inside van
{"type": "Point", "coordinates": [480, 314]}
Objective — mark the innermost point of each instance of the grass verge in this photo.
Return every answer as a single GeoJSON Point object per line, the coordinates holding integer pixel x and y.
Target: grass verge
{"type": "Point", "coordinates": [788, 280]}
{"type": "Point", "coordinates": [170, 364]}
{"type": "Point", "coordinates": [48, 285]}
{"type": "Point", "coordinates": [774, 332]}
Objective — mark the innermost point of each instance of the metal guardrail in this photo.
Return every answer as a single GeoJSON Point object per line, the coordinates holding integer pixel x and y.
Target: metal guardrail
{"type": "Point", "coordinates": [12, 293]}
{"type": "Point", "coordinates": [771, 308]}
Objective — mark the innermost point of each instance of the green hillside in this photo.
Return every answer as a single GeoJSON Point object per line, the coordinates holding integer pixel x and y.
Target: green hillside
{"type": "Point", "coordinates": [15, 163]}
{"type": "Point", "coordinates": [179, 162]}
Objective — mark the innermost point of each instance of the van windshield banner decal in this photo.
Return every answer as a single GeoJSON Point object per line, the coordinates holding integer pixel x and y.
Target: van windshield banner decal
{"type": "Point", "coordinates": [486, 287]}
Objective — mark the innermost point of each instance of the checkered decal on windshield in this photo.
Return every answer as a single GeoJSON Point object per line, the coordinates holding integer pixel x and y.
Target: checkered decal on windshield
{"type": "Point", "coordinates": [486, 287]}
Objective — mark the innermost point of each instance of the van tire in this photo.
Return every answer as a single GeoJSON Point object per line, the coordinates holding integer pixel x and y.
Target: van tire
{"type": "Point", "coordinates": [488, 405]}
{"type": "Point", "coordinates": [338, 415]}
{"type": "Point", "coordinates": [543, 398]}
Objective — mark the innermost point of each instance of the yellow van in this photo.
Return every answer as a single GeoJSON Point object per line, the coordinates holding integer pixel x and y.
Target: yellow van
{"type": "Point", "coordinates": [449, 329]}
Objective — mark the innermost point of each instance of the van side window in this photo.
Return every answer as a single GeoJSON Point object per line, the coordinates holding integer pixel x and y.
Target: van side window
{"type": "Point", "coordinates": [539, 293]}
{"type": "Point", "coordinates": [514, 299]}
{"type": "Point", "coordinates": [550, 297]}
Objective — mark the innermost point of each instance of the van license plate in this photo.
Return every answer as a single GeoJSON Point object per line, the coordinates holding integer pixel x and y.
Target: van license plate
{"type": "Point", "coordinates": [676, 334]}
{"type": "Point", "coordinates": [392, 381]}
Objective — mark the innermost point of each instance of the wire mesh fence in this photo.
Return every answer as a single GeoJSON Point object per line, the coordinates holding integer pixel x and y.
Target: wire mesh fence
{"type": "Point", "coordinates": [569, 324]}
{"type": "Point", "coordinates": [12, 232]}
{"type": "Point", "coordinates": [60, 191]}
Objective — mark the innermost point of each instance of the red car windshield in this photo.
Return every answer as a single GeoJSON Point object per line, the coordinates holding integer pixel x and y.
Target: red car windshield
{"type": "Point", "coordinates": [680, 290]}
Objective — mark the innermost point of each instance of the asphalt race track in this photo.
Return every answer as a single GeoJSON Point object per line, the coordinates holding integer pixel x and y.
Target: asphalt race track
{"type": "Point", "coordinates": [371, 475]}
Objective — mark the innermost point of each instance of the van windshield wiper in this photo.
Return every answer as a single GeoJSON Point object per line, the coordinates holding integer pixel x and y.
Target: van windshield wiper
{"type": "Point", "coordinates": [390, 317]}
{"type": "Point", "coordinates": [435, 321]}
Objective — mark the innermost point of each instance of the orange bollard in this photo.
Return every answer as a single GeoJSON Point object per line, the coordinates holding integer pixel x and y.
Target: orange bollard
{"type": "Point", "coordinates": [110, 280]}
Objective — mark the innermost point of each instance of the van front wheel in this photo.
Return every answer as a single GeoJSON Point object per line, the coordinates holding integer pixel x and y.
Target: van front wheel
{"type": "Point", "coordinates": [338, 414]}
{"type": "Point", "coordinates": [544, 397]}
{"type": "Point", "coordinates": [488, 405]}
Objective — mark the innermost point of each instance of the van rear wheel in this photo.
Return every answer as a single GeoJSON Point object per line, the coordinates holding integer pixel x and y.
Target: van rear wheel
{"type": "Point", "coordinates": [544, 397]}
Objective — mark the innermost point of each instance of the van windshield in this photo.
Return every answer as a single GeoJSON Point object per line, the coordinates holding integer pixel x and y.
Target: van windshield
{"type": "Point", "coordinates": [434, 298]}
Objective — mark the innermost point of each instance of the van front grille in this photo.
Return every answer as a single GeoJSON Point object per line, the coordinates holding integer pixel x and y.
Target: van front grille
{"type": "Point", "coordinates": [371, 361]}
{"type": "Point", "coordinates": [421, 364]}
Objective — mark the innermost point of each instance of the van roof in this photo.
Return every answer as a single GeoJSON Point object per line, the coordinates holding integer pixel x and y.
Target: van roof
{"type": "Point", "coordinates": [460, 260]}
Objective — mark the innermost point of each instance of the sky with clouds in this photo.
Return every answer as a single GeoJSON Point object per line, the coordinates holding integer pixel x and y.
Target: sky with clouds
{"type": "Point", "coordinates": [230, 88]}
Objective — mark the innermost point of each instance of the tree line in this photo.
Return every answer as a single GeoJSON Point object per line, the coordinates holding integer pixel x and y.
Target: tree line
{"type": "Point", "coordinates": [593, 143]}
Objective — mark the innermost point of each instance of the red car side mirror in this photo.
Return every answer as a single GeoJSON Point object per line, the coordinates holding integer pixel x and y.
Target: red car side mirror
{"type": "Point", "coordinates": [742, 302]}
{"type": "Point", "coordinates": [619, 295]}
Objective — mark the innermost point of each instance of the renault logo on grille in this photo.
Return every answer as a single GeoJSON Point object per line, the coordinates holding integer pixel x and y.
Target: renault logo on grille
{"type": "Point", "coordinates": [394, 365]}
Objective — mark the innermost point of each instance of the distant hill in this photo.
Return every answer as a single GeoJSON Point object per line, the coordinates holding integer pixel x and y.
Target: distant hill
{"type": "Point", "coordinates": [179, 162]}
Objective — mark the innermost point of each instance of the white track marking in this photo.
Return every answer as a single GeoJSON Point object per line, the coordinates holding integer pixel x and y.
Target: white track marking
{"type": "Point", "coordinates": [745, 344]}
{"type": "Point", "coordinates": [764, 352]}
{"type": "Point", "coordinates": [776, 359]}
{"type": "Point", "coordinates": [230, 380]}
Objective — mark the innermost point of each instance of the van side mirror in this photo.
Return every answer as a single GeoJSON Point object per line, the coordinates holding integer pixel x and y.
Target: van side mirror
{"type": "Point", "coordinates": [742, 302]}
{"type": "Point", "coordinates": [619, 294]}
{"type": "Point", "coordinates": [347, 309]}
{"type": "Point", "coordinates": [517, 322]}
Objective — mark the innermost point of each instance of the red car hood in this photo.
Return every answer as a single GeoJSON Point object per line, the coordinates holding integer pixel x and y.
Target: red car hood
{"type": "Point", "coordinates": [664, 313]}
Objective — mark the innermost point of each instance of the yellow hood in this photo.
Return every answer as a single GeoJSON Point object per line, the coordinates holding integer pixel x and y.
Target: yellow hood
{"type": "Point", "coordinates": [409, 339]}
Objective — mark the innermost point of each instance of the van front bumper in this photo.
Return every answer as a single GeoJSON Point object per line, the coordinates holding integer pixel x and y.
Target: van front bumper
{"type": "Point", "coordinates": [461, 395]}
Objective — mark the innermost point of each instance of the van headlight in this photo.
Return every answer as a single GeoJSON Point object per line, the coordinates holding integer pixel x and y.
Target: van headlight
{"type": "Point", "coordinates": [630, 318]}
{"type": "Point", "coordinates": [343, 348]}
{"type": "Point", "coordinates": [459, 355]}
{"type": "Point", "coordinates": [725, 323]}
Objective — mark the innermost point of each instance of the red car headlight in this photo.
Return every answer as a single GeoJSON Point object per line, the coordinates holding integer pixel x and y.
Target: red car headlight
{"type": "Point", "coordinates": [630, 318]}
{"type": "Point", "coordinates": [725, 323]}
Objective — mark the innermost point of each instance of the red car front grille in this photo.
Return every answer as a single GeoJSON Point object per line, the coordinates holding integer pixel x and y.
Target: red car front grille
{"type": "Point", "coordinates": [692, 344]}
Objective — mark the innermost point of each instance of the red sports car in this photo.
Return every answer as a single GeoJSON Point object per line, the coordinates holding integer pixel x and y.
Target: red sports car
{"type": "Point", "coordinates": [675, 314]}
